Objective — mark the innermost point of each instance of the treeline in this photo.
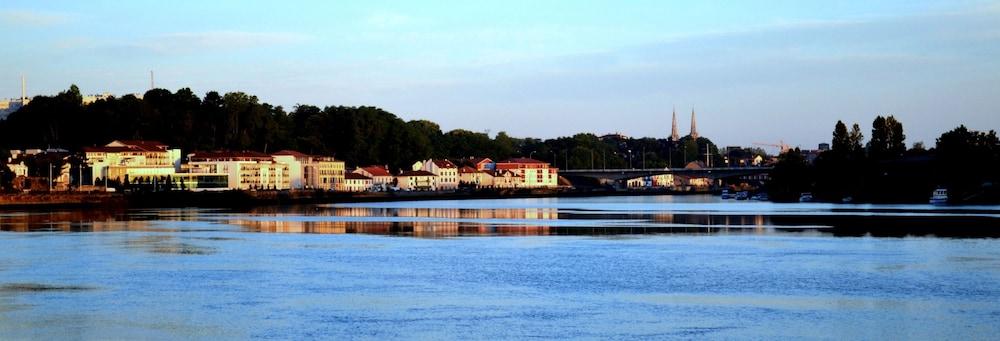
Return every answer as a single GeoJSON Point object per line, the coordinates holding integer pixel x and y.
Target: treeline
{"type": "Point", "coordinates": [964, 161]}
{"type": "Point", "coordinates": [357, 135]}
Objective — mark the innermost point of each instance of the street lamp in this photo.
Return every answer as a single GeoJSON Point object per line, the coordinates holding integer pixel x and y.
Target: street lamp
{"type": "Point", "coordinates": [532, 153]}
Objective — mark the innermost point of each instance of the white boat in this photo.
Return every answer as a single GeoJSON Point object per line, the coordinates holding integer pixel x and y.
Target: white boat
{"type": "Point", "coordinates": [806, 197]}
{"type": "Point", "coordinates": [940, 196]}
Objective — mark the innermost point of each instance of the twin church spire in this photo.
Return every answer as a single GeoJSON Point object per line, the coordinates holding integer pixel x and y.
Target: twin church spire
{"type": "Point", "coordinates": [675, 134]}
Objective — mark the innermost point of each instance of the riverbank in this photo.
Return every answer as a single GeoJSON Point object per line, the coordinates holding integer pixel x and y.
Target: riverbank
{"type": "Point", "coordinates": [237, 199]}
{"type": "Point", "coordinates": [61, 200]}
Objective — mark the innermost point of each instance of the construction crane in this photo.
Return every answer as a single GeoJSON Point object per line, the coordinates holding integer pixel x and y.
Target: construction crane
{"type": "Point", "coordinates": [782, 146]}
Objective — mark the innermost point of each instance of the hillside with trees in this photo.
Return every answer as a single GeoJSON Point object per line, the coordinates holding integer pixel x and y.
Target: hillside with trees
{"type": "Point", "coordinates": [358, 135]}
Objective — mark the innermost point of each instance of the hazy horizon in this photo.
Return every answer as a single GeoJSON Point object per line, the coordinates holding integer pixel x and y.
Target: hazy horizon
{"type": "Point", "coordinates": [753, 71]}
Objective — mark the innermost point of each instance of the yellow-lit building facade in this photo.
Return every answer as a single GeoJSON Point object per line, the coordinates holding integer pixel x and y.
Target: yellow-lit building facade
{"type": "Point", "coordinates": [132, 158]}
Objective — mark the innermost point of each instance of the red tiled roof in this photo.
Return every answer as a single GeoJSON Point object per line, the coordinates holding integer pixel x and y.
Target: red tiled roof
{"type": "Point", "coordinates": [290, 152]}
{"type": "Point", "coordinates": [444, 164]}
{"type": "Point", "coordinates": [145, 145]}
{"type": "Point", "coordinates": [478, 160]}
{"type": "Point", "coordinates": [355, 176]}
{"type": "Point", "coordinates": [377, 171]}
{"type": "Point", "coordinates": [467, 169]}
{"type": "Point", "coordinates": [417, 173]}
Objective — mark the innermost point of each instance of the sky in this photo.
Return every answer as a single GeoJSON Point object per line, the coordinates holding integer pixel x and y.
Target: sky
{"type": "Point", "coordinates": [753, 71]}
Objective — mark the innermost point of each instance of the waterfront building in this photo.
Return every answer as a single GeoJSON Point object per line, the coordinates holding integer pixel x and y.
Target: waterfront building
{"type": "Point", "coordinates": [473, 177]}
{"type": "Point", "coordinates": [131, 158]}
{"type": "Point", "coordinates": [311, 171]}
{"type": "Point", "coordinates": [482, 163]}
{"type": "Point", "coordinates": [693, 181]}
{"type": "Point", "coordinates": [244, 170]}
{"type": "Point", "coordinates": [417, 180]}
{"type": "Point", "coordinates": [33, 168]}
{"type": "Point", "coordinates": [17, 162]}
{"type": "Point", "coordinates": [535, 173]}
{"type": "Point", "coordinates": [354, 182]}
{"type": "Point", "coordinates": [382, 180]}
{"type": "Point", "coordinates": [652, 181]}
{"type": "Point", "coordinates": [507, 179]}
{"type": "Point", "coordinates": [446, 171]}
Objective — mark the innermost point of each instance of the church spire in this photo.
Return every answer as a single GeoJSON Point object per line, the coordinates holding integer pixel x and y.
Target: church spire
{"type": "Point", "coordinates": [674, 134]}
{"type": "Point", "coordinates": [694, 126]}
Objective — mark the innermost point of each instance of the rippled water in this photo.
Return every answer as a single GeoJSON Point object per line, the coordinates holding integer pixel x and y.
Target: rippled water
{"type": "Point", "coordinates": [601, 268]}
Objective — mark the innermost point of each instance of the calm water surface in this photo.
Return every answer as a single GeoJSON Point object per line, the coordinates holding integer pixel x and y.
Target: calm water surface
{"type": "Point", "coordinates": [596, 268]}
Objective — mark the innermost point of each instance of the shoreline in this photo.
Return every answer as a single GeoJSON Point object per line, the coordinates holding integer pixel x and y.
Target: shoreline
{"type": "Point", "coordinates": [243, 199]}
{"type": "Point", "coordinates": [249, 199]}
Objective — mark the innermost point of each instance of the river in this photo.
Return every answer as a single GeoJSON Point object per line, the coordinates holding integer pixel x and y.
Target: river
{"type": "Point", "coordinates": [592, 268]}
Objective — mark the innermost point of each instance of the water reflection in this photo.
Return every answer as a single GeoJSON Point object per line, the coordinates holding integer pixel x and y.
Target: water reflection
{"type": "Point", "coordinates": [528, 217]}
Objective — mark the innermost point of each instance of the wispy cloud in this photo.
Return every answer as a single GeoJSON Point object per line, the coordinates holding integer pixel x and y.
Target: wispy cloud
{"type": "Point", "coordinates": [219, 40]}
{"type": "Point", "coordinates": [32, 18]}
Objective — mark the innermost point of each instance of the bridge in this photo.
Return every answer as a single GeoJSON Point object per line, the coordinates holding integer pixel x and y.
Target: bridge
{"type": "Point", "coordinates": [633, 173]}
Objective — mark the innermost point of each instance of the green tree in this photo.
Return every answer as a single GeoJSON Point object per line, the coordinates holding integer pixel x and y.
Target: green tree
{"type": "Point", "coordinates": [856, 139]}
{"type": "Point", "coordinates": [791, 176]}
{"type": "Point", "coordinates": [841, 139]}
{"type": "Point", "coordinates": [966, 160]}
{"type": "Point", "coordinates": [888, 140]}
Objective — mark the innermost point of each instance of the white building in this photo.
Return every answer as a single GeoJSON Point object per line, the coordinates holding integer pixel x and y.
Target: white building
{"type": "Point", "coordinates": [417, 180]}
{"type": "Point", "coordinates": [132, 158]}
{"type": "Point", "coordinates": [354, 182]}
{"type": "Point", "coordinates": [446, 171]}
{"type": "Point", "coordinates": [536, 174]}
{"type": "Point", "coordinates": [382, 180]}
{"type": "Point", "coordinates": [312, 172]}
{"type": "Point", "coordinates": [475, 178]}
{"type": "Point", "coordinates": [245, 170]}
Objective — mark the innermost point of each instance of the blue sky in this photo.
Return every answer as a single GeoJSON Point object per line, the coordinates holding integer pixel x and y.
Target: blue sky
{"type": "Point", "coordinates": [753, 70]}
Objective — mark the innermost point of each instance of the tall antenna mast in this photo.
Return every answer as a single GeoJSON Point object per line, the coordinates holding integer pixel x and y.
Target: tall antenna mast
{"type": "Point", "coordinates": [152, 85]}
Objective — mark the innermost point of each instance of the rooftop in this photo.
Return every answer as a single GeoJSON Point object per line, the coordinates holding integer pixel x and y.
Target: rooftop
{"type": "Point", "coordinates": [355, 176]}
{"type": "Point", "coordinates": [229, 156]}
{"type": "Point", "coordinates": [376, 170]}
{"type": "Point", "coordinates": [444, 163]}
{"type": "Point", "coordinates": [290, 152]}
{"type": "Point", "coordinates": [144, 145]}
{"type": "Point", "coordinates": [417, 173]}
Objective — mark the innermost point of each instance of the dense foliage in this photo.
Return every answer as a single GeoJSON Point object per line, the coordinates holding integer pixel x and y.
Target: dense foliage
{"type": "Point", "coordinates": [357, 135]}
{"type": "Point", "coordinates": [965, 162]}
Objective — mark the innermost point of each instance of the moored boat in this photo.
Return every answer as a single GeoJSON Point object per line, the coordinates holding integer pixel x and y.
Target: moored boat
{"type": "Point", "coordinates": [806, 197]}
{"type": "Point", "coordinates": [939, 197]}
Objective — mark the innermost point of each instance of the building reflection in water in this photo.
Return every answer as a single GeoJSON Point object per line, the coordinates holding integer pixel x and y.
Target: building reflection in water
{"type": "Point", "coordinates": [427, 222]}
{"type": "Point", "coordinates": [445, 222]}
{"type": "Point", "coordinates": [418, 222]}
